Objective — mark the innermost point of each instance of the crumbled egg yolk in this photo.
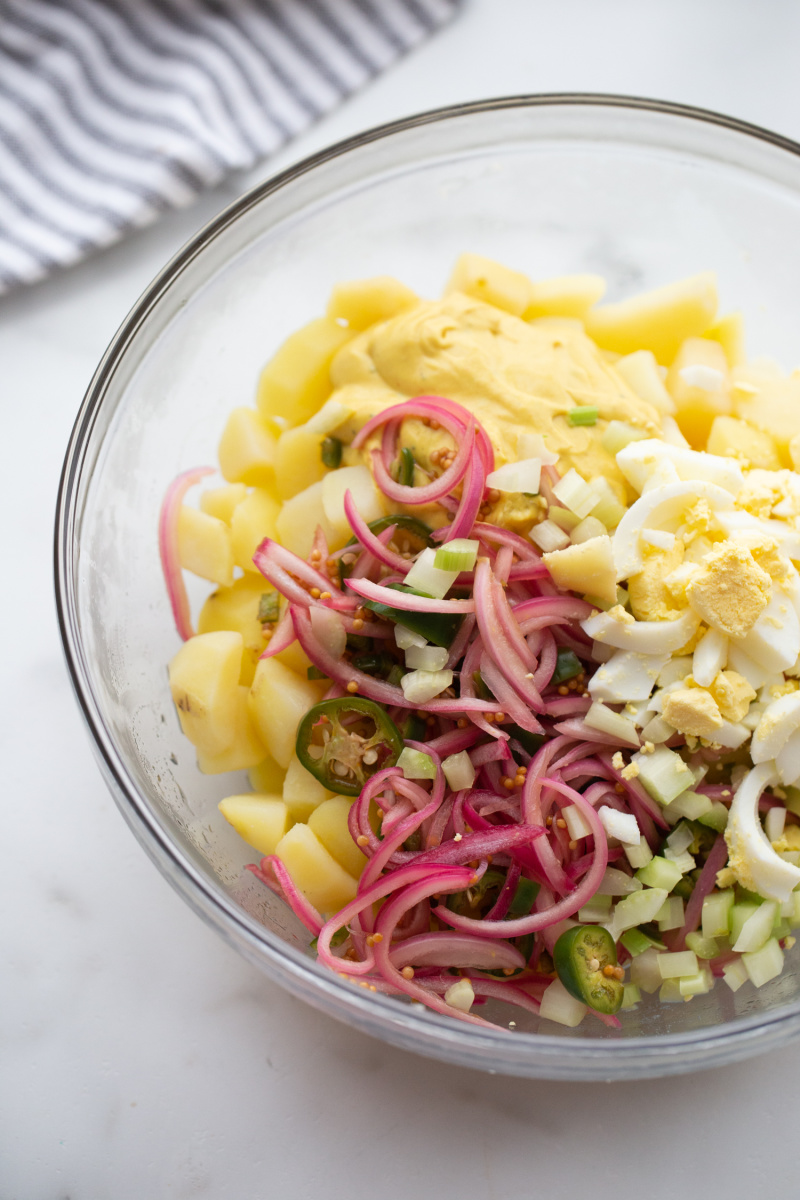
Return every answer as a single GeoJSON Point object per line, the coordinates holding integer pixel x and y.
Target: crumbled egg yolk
{"type": "Point", "coordinates": [693, 711]}
{"type": "Point", "coordinates": [650, 597]}
{"type": "Point", "coordinates": [732, 694]}
{"type": "Point", "coordinates": [731, 590]}
{"type": "Point", "coordinates": [789, 839]}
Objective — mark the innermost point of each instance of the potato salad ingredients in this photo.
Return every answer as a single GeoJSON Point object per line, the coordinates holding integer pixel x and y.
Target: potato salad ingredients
{"type": "Point", "coordinates": [506, 631]}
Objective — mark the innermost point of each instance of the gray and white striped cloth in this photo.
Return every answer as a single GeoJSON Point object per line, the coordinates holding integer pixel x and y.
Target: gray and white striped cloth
{"type": "Point", "coordinates": [114, 111]}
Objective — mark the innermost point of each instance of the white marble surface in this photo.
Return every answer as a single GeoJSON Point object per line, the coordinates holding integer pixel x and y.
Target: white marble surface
{"type": "Point", "coordinates": [141, 1058]}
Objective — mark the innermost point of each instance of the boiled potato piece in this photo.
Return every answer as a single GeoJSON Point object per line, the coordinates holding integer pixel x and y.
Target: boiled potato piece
{"type": "Point", "coordinates": [368, 500]}
{"type": "Point", "coordinates": [364, 302]}
{"type": "Point", "coordinates": [260, 820]}
{"type": "Point", "coordinates": [659, 320]}
{"type": "Point", "coordinates": [491, 282]}
{"type": "Point", "coordinates": [314, 870]}
{"type": "Point", "coordinates": [729, 332]}
{"type": "Point", "coordinates": [267, 777]}
{"type": "Point", "coordinates": [302, 793]}
{"type": "Point", "coordinates": [246, 749]}
{"type": "Point", "coordinates": [296, 382]}
{"type": "Point", "coordinates": [236, 608]}
{"type": "Point", "coordinates": [295, 658]}
{"type": "Point", "coordinates": [732, 438]}
{"type": "Point", "coordinates": [247, 449]}
{"type": "Point", "coordinates": [564, 296]}
{"type": "Point", "coordinates": [298, 463]}
{"type": "Point", "coordinates": [298, 520]}
{"type": "Point", "coordinates": [204, 681]}
{"type": "Point", "coordinates": [643, 376]}
{"type": "Point", "coordinates": [699, 383]}
{"type": "Point", "coordinates": [220, 502]}
{"type": "Point", "coordinates": [329, 823]}
{"type": "Point", "coordinates": [252, 521]}
{"type": "Point", "coordinates": [587, 568]}
{"type": "Point", "coordinates": [204, 545]}
{"type": "Point", "coordinates": [774, 408]}
{"type": "Point", "coordinates": [279, 700]}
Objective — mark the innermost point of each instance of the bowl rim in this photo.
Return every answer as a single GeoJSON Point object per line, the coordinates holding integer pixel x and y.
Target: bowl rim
{"type": "Point", "coordinates": [597, 1057]}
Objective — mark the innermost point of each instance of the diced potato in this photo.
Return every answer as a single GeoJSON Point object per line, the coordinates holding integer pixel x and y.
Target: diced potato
{"type": "Point", "coordinates": [204, 546]}
{"type": "Point", "coordinates": [246, 749]}
{"type": "Point", "coordinates": [298, 462]}
{"type": "Point", "coordinates": [696, 405]}
{"type": "Point", "coordinates": [296, 381]}
{"type": "Point", "coordinates": [368, 500]}
{"type": "Point", "coordinates": [643, 376]}
{"type": "Point", "coordinates": [279, 700]}
{"type": "Point", "coordinates": [298, 520]}
{"type": "Point", "coordinates": [302, 793]}
{"type": "Point", "coordinates": [729, 332]}
{"type": "Point", "coordinates": [314, 870]}
{"type": "Point", "coordinates": [329, 823]}
{"type": "Point", "coordinates": [733, 438]}
{"type": "Point", "coordinates": [295, 658]}
{"type": "Point", "coordinates": [236, 608]}
{"type": "Point", "coordinates": [564, 296]}
{"type": "Point", "coordinates": [659, 320]}
{"type": "Point", "coordinates": [204, 681]}
{"type": "Point", "coordinates": [774, 408]}
{"type": "Point", "coordinates": [491, 282]}
{"type": "Point", "coordinates": [220, 502]}
{"type": "Point", "coordinates": [252, 521]}
{"type": "Point", "coordinates": [247, 449]}
{"type": "Point", "coordinates": [364, 302]}
{"type": "Point", "coordinates": [587, 568]}
{"type": "Point", "coordinates": [267, 777]}
{"type": "Point", "coordinates": [260, 820]}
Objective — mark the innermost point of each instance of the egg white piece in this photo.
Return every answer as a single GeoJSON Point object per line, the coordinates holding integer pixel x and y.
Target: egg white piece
{"type": "Point", "coordinates": [779, 721]}
{"type": "Point", "coordinates": [788, 760]}
{"type": "Point", "coordinates": [731, 735]}
{"type": "Point", "coordinates": [645, 637]}
{"type": "Point", "coordinates": [658, 509]}
{"type": "Point", "coordinates": [774, 641]}
{"type": "Point", "coordinates": [627, 676]}
{"type": "Point", "coordinates": [638, 459]}
{"type": "Point", "coordinates": [755, 863]}
{"type": "Point", "coordinates": [710, 656]}
{"type": "Point", "coordinates": [756, 675]}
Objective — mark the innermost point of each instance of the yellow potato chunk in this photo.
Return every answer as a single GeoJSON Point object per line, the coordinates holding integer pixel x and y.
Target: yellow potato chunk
{"type": "Point", "coordinates": [699, 383]}
{"type": "Point", "coordinates": [298, 461]}
{"type": "Point", "coordinates": [772, 405]}
{"type": "Point", "coordinates": [236, 608]}
{"type": "Point", "coordinates": [220, 502]}
{"type": "Point", "coordinates": [295, 658]}
{"type": "Point", "coordinates": [247, 449]}
{"type": "Point", "coordinates": [261, 820]}
{"type": "Point", "coordinates": [329, 823]}
{"type": "Point", "coordinates": [364, 302]}
{"type": "Point", "coordinates": [302, 793]}
{"type": "Point", "coordinates": [252, 521]}
{"type": "Point", "coordinates": [734, 438]}
{"type": "Point", "coordinates": [279, 700]}
{"type": "Point", "coordinates": [267, 777]}
{"type": "Point", "coordinates": [587, 568]}
{"type": "Point", "coordinates": [204, 545]}
{"type": "Point", "coordinates": [729, 332]}
{"type": "Point", "coordinates": [490, 281]}
{"type": "Point", "coordinates": [564, 296]}
{"type": "Point", "coordinates": [298, 521]}
{"type": "Point", "coordinates": [368, 500]}
{"type": "Point", "coordinates": [246, 749]}
{"type": "Point", "coordinates": [204, 681]}
{"type": "Point", "coordinates": [314, 870]}
{"type": "Point", "coordinates": [642, 375]}
{"type": "Point", "coordinates": [659, 320]}
{"type": "Point", "coordinates": [296, 381]}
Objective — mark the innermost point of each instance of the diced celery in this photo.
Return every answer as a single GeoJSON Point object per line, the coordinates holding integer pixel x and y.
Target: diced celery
{"type": "Point", "coordinates": [426, 577]}
{"type": "Point", "coordinates": [458, 555]}
{"type": "Point", "coordinates": [558, 1005]}
{"type": "Point", "coordinates": [703, 947]}
{"type": "Point", "coordinates": [635, 942]}
{"type": "Point", "coordinates": [781, 929]}
{"type": "Point", "coordinates": [681, 837]}
{"type": "Point", "coordinates": [426, 658]}
{"type": "Point", "coordinates": [607, 508]}
{"type": "Point", "coordinates": [670, 992]}
{"type": "Point", "coordinates": [618, 883]}
{"type": "Point", "coordinates": [597, 910]}
{"type": "Point", "coordinates": [792, 800]}
{"type": "Point", "coordinates": [405, 638]}
{"type": "Point", "coordinates": [716, 918]}
{"type": "Point", "coordinates": [577, 825]}
{"type": "Point", "coordinates": [548, 536]}
{"type": "Point", "coordinates": [735, 974]}
{"type": "Point", "coordinates": [459, 771]}
{"type": "Point", "coordinates": [740, 913]}
{"type": "Point", "coordinates": [583, 414]}
{"type": "Point", "coordinates": [774, 823]}
{"type": "Point", "coordinates": [696, 985]}
{"type": "Point", "coordinates": [639, 856]}
{"type": "Point", "coordinates": [670, 915]}
{"type": "Point", "coordinates": [636, 909]}
{"type": "Point", "coordinates": [794, 919]}
{"type": "Point", "coordinates": [684, 861]}
{"type": "Point", "coordinates": [659, 873]}
{"type": "Point", "coordinates": [677, 963]}
{"type": "Point", "coordinates": [757, 929]}
{"type": "Point", "coordinates": [605, 720]}
{"type": "Point", "coordinates": [631, 995]}
{"type": "Point", "coordinates": [575, 493]}
{"type": "Point", "coordinates": [716, 817]}
{"type": "Point", "coordinates": [764, 964]}
{"type": "Point", "coordinates": [590, 527]}
{"type": "Point", "coordinates": [416, 765]}
{"type": "Point", "coordinates": [564, 518]}
{"type": "Point", "coordinates": [664, 774]}
{"type": "Point", "coordinates": [617, 435]}
{"type": "Point", "coordinates": [644, 971]}
{"type": "Point", "coordinates": [689, 804]}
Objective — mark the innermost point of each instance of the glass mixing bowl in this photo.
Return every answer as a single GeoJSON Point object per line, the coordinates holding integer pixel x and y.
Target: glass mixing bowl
{"type": "Point", "coordinates": [639, 192]}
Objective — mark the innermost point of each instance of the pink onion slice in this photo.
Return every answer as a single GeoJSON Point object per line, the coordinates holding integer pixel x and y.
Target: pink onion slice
{"type": "Point", "coordinates": [406, 600]}
{"type": "Point", "coordinates": [168, 547]}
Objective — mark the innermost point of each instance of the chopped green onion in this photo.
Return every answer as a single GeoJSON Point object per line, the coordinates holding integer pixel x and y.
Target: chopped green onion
{"type": "Point", "coordinates": [524, 898]}
{"type": "Point", "coordinates": [568, 665]}
{"type": "Point", "coordinates": [313, 672]}
{"type": "Point", "coordinates": [416, 765]}
{"type": "Point", "coordinates": [575, 493]}
{"type": "Point", "coordinates": [617, 435]}
{"type": "Point", "coordinates": [404, 467]}
{"type": "Point", "coordinates": [459, 771]}
{"type": "Point", "coordinates": [429, 578]}
{"type": "Point", "coordinates": [583, 414]}
{"type": "Point", "coordinates": [426, 658]}
{"type": "Point", "coordinates": [331, 451]}
{"type": "Point", "coordinates": [269, 607]}
{"type": "Point", "coordinates": [458, 555]}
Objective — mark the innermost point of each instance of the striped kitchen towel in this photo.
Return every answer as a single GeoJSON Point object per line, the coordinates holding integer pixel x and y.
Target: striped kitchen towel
{"type": "Point", "coordinates": [114, 111]}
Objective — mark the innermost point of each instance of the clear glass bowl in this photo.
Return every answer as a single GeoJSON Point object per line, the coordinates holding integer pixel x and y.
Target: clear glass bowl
{"type": "Point", "coordinates": [639, 192]}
